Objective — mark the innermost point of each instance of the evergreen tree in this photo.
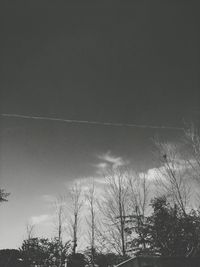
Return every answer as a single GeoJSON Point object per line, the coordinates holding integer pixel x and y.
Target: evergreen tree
{"type": "Point", "coordinates": [168, 231]}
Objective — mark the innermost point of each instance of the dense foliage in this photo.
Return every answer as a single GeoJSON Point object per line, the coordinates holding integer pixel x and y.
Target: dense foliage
{"type": "Point", "coordinates": [10, 257]}
{"type": "Point", "coordinates": [44, 251]}
{"type": "Point", "coordinates": [3, 195]}
{"type": "Point", "coordinates": [168, 231]}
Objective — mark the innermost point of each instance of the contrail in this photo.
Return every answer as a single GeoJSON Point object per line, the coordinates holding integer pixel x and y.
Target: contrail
{"type": "Point", "coordinates": [20, 116]}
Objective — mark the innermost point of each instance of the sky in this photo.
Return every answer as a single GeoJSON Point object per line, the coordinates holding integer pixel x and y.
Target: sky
{"type": "Point", "coordinates": [107, 61]}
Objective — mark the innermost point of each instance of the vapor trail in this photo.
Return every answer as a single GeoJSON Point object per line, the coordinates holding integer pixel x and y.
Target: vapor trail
{"type": "Point", "coordinates": [21, 116]}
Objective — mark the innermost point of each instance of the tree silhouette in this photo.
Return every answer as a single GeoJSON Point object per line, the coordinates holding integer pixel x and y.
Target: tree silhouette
{"type": "Point", "coordinates": [168, 231]}
{"type": "Point", "coordinates": [3, 195]}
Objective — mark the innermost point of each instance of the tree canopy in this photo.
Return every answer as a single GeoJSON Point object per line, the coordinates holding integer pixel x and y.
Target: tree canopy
{"type": "Point", "coordinates": [168, 231]}
{"type": "Point", "coordinates": [44, 251]}
{"type": "Point", "coordinates": [3, 195]}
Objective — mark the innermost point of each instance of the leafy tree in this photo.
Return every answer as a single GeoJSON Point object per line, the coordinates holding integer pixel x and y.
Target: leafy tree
{"type": "Point", "coordinates": [3, 195]}
{"type": "Point", "coordinates": [168, 231]}
{"type": "Point", "coordinates": [58, 251]}
{"type": "Point", "coordinates": [34, 250]}
{"type": "Point", "coordinates": [44, 251]}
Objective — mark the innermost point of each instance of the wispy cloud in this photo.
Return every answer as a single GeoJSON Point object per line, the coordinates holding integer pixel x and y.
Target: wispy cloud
{"type": "Point", "coordinates": [108, 157]}
{"type": "Point", "coordinates": [109, 160]}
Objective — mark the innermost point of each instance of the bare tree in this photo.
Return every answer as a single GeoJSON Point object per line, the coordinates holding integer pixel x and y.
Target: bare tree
{"type": "Point", "coordinates": [59, 220]}
{"type": "Point", "coordinates": [60, 217]}
{"type": "Point", "coordinates": [90, 197]}
{"type": "Point", "coordinates": [114, 207]}
{"type": "Point", "coordinates": [76, 205]}
{"type": "Point", "coordinates": [172, 175]}
{"type": "Point", "coordinates": [138, 188]}
{"type": "Point", "coordinates": [192, 138]}
{"type": "Point", "coordinates": [138, 192]}
{"type": "Point", "coordinates": [30, 230]}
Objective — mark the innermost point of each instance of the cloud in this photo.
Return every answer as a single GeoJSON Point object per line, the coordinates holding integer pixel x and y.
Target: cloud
{"type": "Point", "coordinates": [109, 160]}
{"type": "Point", "coordinates": [181, 168]}
{"type": "Point", "coordinates": [40, 219]}
{"type": "Point", "coordinates": [151, 174]}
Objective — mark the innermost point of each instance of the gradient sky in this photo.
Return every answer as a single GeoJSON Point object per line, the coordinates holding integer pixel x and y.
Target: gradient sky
{"type": "Point", "coordinates": [108, 61]}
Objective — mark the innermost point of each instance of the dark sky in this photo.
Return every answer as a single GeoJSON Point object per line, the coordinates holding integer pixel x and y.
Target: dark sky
{"type": "Point", "coordinates": [105, 61]}
{"type": "Point", "coordinates": [136, 62]}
